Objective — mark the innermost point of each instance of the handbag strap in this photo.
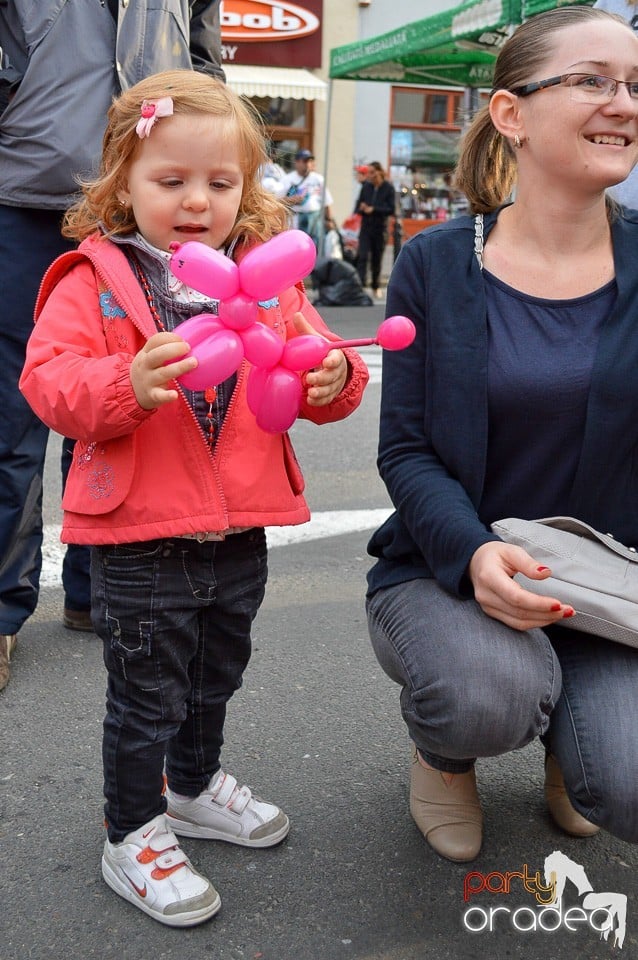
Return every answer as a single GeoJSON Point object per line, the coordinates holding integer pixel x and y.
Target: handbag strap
{"type": "Point", "coordinates": [478, 238]}
{"type": "Point", "coordinates": [582, 529]}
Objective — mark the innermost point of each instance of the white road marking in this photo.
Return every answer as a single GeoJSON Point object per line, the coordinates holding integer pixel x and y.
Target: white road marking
{"type": "Point", "coordinates": [330, 523]}
{"type": "Point", "coordinates": [372, 357]}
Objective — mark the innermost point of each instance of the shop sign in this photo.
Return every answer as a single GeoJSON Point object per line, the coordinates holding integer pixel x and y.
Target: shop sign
{"type": "Point", "coordinates": [271, 32]}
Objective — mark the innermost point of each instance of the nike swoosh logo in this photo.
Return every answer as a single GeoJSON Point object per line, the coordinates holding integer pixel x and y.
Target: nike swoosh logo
{"type": "Point", "coordinates": [140, 891]}
{"type": "Point", "coordinates": [148, 833]}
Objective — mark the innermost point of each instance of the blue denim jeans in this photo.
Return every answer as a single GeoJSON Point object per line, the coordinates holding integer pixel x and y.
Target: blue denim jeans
{"type": "Point", "coordinates": [473, 687]}
{"type": "Point", "coordinates": [175, 618]}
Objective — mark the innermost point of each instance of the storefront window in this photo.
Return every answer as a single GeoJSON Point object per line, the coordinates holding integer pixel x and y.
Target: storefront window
{"type": "Point", "coordinates": [289, 125]}
{"type": "Point", "coordinates": [424, 140]}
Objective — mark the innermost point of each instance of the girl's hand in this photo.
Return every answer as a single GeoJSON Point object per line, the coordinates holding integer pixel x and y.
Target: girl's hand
{"type": "Point", "coordinates": [326, 382]}
{"type": "Point", "coordinates": [491, 570]}
{"type": "Point", "coordinates": [150, 376]}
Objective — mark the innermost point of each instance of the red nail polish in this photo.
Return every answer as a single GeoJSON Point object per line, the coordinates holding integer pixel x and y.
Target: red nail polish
{"type": "Point", "coordinates": [555, 607]}
{"type": "Point", "coordinates": [568, 613]}
{"type": "Point", "coordinates": [540, 569]}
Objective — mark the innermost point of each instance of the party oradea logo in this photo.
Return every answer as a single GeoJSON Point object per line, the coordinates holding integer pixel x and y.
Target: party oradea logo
{"type": "Point", "coordinates": [603, 913]}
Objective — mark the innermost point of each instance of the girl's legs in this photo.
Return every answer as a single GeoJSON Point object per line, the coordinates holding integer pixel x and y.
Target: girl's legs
{"type": "Point", "coordinates": [170, 672]}
{"type": "Point", "coordinates": [223, 652]}
{"type": "Point", "coordinates": [594, 729]}
{"type": "Point", "coordinates": [470, 686]}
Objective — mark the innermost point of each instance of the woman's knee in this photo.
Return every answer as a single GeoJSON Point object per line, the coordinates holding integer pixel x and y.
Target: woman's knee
{"type": "Point", "coordinates": [470, 685]}
{"type": "Point", "coordinates": [456, 716]}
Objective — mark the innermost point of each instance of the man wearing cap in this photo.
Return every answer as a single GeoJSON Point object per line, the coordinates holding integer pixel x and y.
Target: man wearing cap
{"type": "Point", "coordinates": [308, 196]}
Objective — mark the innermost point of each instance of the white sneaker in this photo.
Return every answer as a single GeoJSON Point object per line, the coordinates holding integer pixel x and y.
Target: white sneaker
{"type": "Point", "coordinates": [151, 871]}
{"type": "Point", "coordinates": [226, 812]}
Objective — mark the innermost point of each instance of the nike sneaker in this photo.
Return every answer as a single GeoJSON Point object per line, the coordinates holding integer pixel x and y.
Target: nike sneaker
{"type": "Point", "coordinates": [151, 871]}
{"type": "Point", "coordinates": [225, 811]}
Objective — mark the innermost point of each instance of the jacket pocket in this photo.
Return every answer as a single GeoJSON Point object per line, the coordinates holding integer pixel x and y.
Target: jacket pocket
{"type": "Point", "coordinates": [100, 477]}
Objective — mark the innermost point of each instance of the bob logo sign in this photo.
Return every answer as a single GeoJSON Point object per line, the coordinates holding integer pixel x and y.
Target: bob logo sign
{"type": "Point", "coordinates": [258, 20]}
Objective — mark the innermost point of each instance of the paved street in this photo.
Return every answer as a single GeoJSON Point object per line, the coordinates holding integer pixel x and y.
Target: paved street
{"type": "Point", "coordinates": [316, 728]}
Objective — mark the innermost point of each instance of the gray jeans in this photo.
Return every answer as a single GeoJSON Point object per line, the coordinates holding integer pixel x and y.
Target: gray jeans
{"type": "Point", "coordinates": [473, 687]}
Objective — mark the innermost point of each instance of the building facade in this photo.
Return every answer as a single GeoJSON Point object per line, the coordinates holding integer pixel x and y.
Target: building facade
{"type": "Point", "coordinates": [277, 53]}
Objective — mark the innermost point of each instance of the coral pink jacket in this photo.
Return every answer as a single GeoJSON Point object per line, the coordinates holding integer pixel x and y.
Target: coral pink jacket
{"type": "Point", "coordinates": [139, 474]}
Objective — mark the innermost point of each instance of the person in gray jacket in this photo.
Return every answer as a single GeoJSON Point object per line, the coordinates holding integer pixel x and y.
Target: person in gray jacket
{"type": "Point", "coordinates": [61, 65]}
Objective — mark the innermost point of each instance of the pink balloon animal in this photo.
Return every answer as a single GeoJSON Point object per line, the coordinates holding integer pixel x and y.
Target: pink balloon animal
{"type": "Point", "coordinates": [220, 343]}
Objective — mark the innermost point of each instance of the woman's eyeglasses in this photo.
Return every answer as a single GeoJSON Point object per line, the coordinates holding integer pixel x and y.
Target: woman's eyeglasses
{"type": "Point", "coordinates": [583, 87]}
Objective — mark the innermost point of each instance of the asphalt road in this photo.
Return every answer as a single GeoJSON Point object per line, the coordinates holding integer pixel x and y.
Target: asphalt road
{"type": "Point", "coordinates": [316, 727]}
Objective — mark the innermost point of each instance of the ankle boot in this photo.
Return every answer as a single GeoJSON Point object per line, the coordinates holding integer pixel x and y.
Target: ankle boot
{"type": "Point", "coordinates": [448, 816]}
{"type": "Point", "coordinates": [559, 804]}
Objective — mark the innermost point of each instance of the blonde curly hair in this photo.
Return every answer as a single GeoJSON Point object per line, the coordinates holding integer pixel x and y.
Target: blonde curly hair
{"type": "Point", "coordinates": [260, 215]}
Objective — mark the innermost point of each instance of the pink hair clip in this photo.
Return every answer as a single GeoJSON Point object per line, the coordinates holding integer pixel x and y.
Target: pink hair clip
{"type": "Point", "coordinates": [151, 111]}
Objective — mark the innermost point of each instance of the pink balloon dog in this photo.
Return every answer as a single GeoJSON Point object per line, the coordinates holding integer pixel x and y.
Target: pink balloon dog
{"type": "Point", "coordinates": [220, 343]}
{"type": "Point", "coordinates": [236, 333]}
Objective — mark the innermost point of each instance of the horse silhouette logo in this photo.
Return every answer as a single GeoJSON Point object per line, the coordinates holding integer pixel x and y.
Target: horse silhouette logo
{"type": "Point", "coordinates": [559, 869]}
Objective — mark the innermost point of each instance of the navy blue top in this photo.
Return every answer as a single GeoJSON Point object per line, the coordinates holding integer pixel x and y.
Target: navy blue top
{"type": "Point", "coordinates": [434, 439]}
{"type": "Point", "coordinates": [540, 359]}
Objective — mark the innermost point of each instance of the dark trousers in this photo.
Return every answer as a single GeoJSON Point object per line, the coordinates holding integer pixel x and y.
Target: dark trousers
{"type": "Point", "coordinates": [372, 241]}
{"type": "Point", "coordinates": [29, 241]}
{"type": "Point", "coordinates": [175, 618]}
{"type": "Point", "coordinates": [76, 566]}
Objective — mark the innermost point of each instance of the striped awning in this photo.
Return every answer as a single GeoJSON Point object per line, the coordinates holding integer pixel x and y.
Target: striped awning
{"type": "Point", "coordinates": [275, 82]}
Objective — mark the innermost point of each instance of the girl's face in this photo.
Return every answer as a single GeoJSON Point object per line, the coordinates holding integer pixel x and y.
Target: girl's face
{"type": "Point", "coordinates": [185, 181]}
{"type": "Point", "coordinates": [593, 144]}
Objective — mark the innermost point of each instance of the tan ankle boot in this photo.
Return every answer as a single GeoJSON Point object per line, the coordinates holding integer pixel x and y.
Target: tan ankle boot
{"type": "Point", "coordinates": [448, 815]}
{"type": "Point", "coordinates": [7, 646]}
{"type": "Point", "coordinates": [559, 804]}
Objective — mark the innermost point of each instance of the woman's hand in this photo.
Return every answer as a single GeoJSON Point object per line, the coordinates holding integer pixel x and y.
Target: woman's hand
{"type": "Point", "coordinates": [491, 570]}
{"type": "Point", "coordinates": [326, 382]}
{"type": "Point", "coordinates": [150, 376]}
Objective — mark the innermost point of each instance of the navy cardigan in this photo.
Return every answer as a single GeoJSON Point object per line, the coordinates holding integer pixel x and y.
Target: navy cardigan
{"type": "Point", "coordinates": [433, 428]}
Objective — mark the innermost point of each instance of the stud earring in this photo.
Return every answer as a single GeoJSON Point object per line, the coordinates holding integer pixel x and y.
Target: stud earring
{"type": "Point", "coordinates": [517, 141]}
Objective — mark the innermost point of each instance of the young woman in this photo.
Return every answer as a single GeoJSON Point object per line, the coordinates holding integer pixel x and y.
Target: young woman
{"type": "Point", "coordinates": [518, 398]}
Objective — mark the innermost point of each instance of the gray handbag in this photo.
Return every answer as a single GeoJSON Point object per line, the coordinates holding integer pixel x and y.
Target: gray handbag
{"type": "Point", "coordinates": [591, 572]}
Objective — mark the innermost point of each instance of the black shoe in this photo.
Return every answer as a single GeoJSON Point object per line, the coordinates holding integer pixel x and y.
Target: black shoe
{"type": "Point", "coordinates": [77, 620]}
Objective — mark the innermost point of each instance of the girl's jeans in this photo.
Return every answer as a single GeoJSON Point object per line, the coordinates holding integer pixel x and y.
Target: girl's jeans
{"type": "Point", "coordinates": [473, 687]}
{"type": "Point", "coordinates": [175, 618]}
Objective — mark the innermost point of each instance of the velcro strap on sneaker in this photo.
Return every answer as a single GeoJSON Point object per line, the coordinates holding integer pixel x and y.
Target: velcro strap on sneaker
{"type": "Point", "coordinates": [226, 787]}
{"type": "Point", "coordinates": [165, 840]}
{"type": "Point", "coordinates": [240, 800]}
{"type": "Point", "coordinates": [171, 858]}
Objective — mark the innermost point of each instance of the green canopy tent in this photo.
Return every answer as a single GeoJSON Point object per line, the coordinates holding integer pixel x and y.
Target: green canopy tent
{"type": "Point", "coordinates": [456, 47]}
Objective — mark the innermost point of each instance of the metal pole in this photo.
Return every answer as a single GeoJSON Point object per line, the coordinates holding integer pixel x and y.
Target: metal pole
{"type": "Point", "coordinates": [322, 218]}
{"type": "Point", "coordinates": [397, 229]}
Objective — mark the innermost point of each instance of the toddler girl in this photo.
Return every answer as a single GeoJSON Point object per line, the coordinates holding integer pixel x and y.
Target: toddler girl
{"type": "Point", "coordinates": [172, 488]}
